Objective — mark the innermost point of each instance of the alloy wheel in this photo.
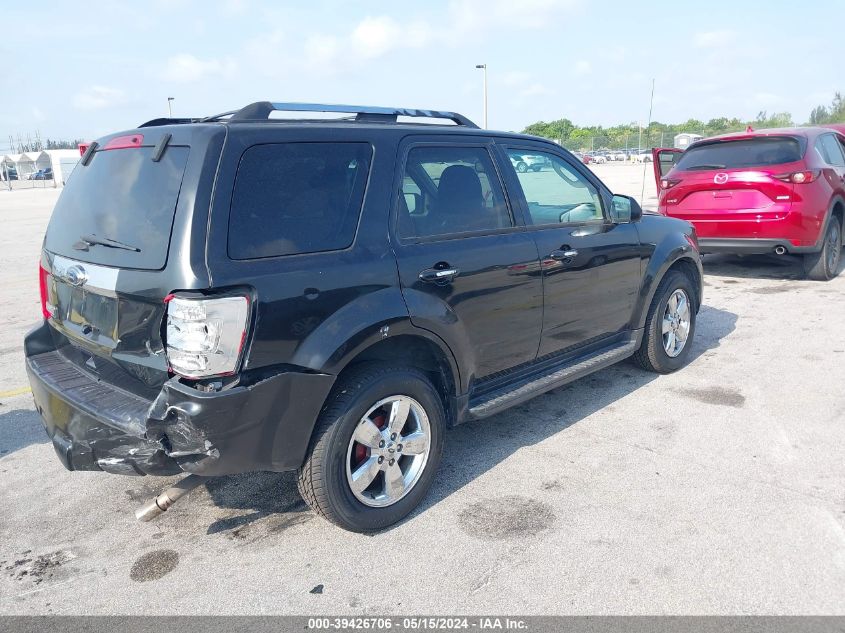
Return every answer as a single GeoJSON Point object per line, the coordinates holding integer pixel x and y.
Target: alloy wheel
{"type": "Point", "coordinates": [833, 249]}
{"type": "Point", "coordinates": [676, 323]}
{"type": "Point", "coordinates": [388, 451]}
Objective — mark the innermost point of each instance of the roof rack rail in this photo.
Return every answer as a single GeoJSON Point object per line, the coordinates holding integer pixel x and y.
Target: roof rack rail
{"type": "Point", "coordinates": [263, 109]}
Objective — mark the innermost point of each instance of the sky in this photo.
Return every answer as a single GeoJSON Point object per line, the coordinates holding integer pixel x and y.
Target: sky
{"type": "Point", "coordinates": [84, 69]}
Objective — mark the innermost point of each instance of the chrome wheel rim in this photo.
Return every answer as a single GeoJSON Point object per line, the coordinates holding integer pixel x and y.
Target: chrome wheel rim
{"type": "Point", "coordinates": [676, 323]}
{"type": "Point", "coordinates": [388, 451]}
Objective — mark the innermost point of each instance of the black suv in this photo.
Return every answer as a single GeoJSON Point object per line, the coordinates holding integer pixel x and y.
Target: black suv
{"type": "Point", "coordinates": [245, 292]}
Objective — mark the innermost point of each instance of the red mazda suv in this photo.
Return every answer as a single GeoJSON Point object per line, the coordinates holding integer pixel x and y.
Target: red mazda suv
{"type": "Point", "coordinates": [776, 191]}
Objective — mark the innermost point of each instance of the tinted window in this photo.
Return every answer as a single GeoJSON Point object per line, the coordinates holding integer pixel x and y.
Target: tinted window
{"type": "Point", "coordinates": [122, 195]}
{"type": "Point", "coordinates": [554, 191]}
{"type": "Point", "coordinates": [450, 190]}
{"type": "Point", "coordinates": [292, 198]}
{"type": "Point", "coordinates": [830, 150]}
{"type": "Point", "coordinates": [756, 152]}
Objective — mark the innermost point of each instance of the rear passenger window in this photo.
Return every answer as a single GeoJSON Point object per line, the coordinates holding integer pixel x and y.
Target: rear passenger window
{"type": "Point", "coordinates": [450, 190]}
{"type": "Point", "coordinates": [831, 150]}
{"type": "Point", "coordinates": [292, 198]}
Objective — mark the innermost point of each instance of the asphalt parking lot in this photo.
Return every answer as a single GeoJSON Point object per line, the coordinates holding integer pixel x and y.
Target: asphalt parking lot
{"type": "Point", "coordinates": [716, 490]}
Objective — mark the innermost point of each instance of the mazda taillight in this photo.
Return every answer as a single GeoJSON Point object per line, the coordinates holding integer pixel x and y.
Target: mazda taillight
{"type": "Point", "coordinates": [47, 308]}
{"type": "Point", "coordinates": [205, 336]}
{"type": "Point", "coordinates": [799, 177]}
{"type": "Point", "coordinates": [668, 183]}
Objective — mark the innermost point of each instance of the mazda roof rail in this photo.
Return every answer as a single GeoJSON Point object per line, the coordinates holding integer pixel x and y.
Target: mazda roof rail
{"type": "Point", "coordinates": [261, 110]}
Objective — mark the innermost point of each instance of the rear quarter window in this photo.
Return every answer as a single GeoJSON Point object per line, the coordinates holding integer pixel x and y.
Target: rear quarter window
{"type": "Point", "coordinates": [295, 198]}
{"type": "Point", "coordinates": [755, 152]}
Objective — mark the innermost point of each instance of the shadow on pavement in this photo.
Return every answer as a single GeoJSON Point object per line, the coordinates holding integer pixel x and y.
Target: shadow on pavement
{"type": "Point", "coordinates": [20, 428]}
{"type": "Point", "coordinates": [785, 267]}
{"type": "Point", "coordinates": [473, 448]}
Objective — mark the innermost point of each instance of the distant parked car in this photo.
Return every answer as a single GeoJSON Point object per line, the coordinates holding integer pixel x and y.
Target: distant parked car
{"type": "Point", "coordinates": [41, 174]}
{"type": "Point", "coordinates": [599, 159]}
{"type": "Point", "coordinates": [642, 156]}
{"type": "Point", "coordinates": [778, 191]}
{"type": "Point", "coordinates": [618, 155]}
{"type": "Point", "coordinates": [527, 162]}
{"type": "Point", "coordinates": [584, 158]}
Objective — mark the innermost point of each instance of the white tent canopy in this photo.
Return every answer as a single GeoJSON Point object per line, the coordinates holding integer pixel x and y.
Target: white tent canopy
{"type": "Point", "coordinates": [61, 161]}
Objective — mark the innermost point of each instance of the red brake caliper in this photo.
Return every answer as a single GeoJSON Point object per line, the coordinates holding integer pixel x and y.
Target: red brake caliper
{"type": "Point", "coordinates": [361, 451]}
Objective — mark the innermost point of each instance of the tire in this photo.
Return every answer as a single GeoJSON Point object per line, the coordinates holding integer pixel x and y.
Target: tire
{"type": "Point", "coordinates": [824, 265]}
{"type": "Point", "coordinates": [325, 479]}
{"type": "Point", "coordinates": [653, 354]}
{"type": "Point", "coordinates": [521, 167]}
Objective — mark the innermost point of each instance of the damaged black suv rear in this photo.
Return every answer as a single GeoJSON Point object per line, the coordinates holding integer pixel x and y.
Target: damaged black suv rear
{"type": "Point", "coordinates": [244, 293]}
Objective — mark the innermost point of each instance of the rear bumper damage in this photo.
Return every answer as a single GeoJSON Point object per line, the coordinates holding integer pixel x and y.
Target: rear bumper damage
{"type": "Point", "coordinates": [96, 426]}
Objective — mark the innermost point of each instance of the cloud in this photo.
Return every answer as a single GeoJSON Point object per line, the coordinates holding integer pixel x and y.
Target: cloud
{"type": "Point", "coordinates": [98, 97]}
{"type": "Point", "coordinates": [479, 16]}
{"type": "Point", "coordinates": [374, 37]}
{"type": "Point", "coordinates": [514, 78]}
{"type": "Point", "coordinates": [321, 51]}
{"type": "Point", "coordinates": [534, 90]}
{"type": "Point", "coordinates": [583, 67]}
{"type": "Point", "coordinates": [186, 68]}
{"type": "Point", "coordinates": [380, 35]}
{"type": "Point", "coordinates": [713, 39]}
{"type": "Point", "coordinates": [234, 7]}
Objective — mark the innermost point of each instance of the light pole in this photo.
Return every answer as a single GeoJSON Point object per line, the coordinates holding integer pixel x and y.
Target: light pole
{"type": "Point", "coordinates": [484, 68]}
{"type": "Point", "coordinates": [170, 109]}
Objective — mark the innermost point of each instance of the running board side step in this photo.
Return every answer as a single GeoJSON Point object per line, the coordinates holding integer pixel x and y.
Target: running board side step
{"type": "Point", "coordinates": [509, 396]}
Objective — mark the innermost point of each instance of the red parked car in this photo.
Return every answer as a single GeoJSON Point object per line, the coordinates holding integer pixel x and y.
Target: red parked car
{"type": "Point", "coordinates": [768, 191]}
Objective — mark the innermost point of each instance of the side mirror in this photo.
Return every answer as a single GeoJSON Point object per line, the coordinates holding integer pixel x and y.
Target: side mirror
{"type": "Point", "coordinates": [624, 210]}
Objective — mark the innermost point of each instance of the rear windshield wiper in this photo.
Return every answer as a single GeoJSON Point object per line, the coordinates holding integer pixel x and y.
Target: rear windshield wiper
{"type": "Point", "coordinates": [92, 240]}
{"type": "Point", "coordinates": [705, 166]}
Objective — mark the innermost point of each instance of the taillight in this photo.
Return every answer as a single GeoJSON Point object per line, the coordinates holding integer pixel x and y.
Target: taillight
{"type": "Point", "coordinates": [47, 308]}
{"type": "Point", "coordinates": [205, 337]}
{"type": "Point", "coordinates": [668, 183]}
{"type": "Point", "coordinates": [799, 177]}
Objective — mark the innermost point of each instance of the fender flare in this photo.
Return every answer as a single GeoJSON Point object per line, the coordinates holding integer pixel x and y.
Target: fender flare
{"type": "Point", "coordinates": [360, 324]}
{"type": "Point", "coordinates": [837, 199]}
{"type": "Point", "coordinates": [671, 250]}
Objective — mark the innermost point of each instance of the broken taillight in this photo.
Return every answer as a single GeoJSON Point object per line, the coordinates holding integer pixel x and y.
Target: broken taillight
{"type": "Point", "coordinates": [205, 336]}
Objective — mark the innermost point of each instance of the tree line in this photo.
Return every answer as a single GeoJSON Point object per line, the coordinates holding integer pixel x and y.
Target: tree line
{"type": "Point", "coordinates": [38, 145]}
{"type": "Point", "coordinates": [630, 135]}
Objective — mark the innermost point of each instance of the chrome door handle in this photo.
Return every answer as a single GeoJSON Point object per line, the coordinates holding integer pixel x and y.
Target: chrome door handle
{"type": "Point", "coordinates": [438, 275]}
{"type": "Point", "coordinates": [567, 254]}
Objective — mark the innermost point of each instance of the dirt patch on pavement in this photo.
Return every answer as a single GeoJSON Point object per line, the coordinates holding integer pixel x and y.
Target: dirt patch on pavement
{"type": "Point", "coordinates": [154, 565]}
{"type": "Point", "coordinates": [717, 395]}
{"type": "Point", "coordinates": [506, 518]}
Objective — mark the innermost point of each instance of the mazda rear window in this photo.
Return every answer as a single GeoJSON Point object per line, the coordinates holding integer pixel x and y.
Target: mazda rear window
{"type": "Point", "coordinates": [755, 152]}
{"type": "Point", "coordinates": [294, 198]}
{"type": "Point", "coordinates": [118, 209]}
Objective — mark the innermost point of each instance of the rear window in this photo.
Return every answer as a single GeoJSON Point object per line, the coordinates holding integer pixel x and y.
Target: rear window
{"type": "Point", "coordinates": [756, 152]}
{"type": "Point", "coordinates": [124, 197]}
{"type": "Point", "coordinates": [293, 198]}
